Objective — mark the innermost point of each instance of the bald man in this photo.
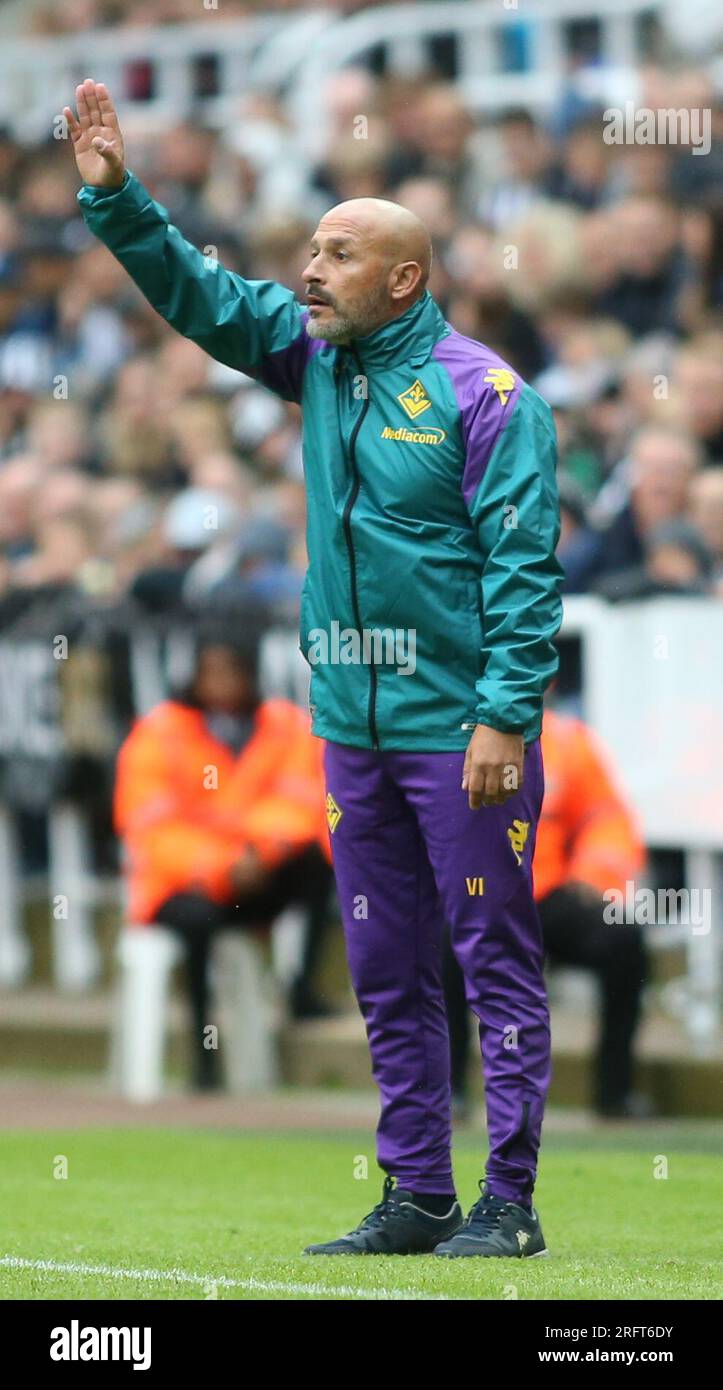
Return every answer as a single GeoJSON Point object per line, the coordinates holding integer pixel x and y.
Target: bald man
{"type": "Point", "coordinates": [427, 619]}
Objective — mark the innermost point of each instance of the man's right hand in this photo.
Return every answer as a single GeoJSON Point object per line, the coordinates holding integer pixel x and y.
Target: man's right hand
{"type": "Point", "coordinates": [96, 136]}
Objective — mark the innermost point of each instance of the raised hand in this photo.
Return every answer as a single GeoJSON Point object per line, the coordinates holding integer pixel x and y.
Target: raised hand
{"type": "Point", "coordinates": [96, 136]}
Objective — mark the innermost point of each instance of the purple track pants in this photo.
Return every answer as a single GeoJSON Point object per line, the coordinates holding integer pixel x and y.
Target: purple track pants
{"type": "Point", "coordinates": [409, 855]}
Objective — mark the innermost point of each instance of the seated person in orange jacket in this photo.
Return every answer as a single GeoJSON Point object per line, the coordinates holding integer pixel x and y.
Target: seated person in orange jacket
{"type": "Point", "coordinates": [220, 804]}
{"type": "Point", "coordinates": [587, 842]}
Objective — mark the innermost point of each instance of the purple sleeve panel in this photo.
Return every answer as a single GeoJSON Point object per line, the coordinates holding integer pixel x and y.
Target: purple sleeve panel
{"type": "Point", "coordinates": [283, 371]}
{"type": "Point", "coordinates": [487, 390]}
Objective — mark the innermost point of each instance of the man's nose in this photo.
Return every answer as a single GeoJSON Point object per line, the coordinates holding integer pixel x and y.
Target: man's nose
{"type": "Point", "coordinates": [311, 275]}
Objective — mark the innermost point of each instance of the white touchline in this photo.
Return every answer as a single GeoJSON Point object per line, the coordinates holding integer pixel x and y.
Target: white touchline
{"type": "Point", "coordinates": [181, 1276]}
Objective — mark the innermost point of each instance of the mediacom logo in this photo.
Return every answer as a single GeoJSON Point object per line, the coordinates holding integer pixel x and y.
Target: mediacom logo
{"type": "Point", "coordinates": [76, 1343]}
{"type": "Point", "coordinates": [432, 435]}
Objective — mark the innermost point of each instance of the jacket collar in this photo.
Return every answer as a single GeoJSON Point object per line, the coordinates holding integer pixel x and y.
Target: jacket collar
{"type": "Point", "coordinates": [410, 338]}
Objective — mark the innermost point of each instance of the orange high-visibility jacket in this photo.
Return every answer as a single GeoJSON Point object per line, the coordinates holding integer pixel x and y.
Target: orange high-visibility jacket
{"type": "Point", "coordinates": [186, 807]}
{"type": "Point", "coordinates": [586, 833]}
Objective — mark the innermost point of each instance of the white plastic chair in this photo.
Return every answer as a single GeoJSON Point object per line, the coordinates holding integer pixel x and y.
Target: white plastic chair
{"type": "Point", "coordinates": [15, 954]}
{"type": "Point", "coordinates": [247, 1012]}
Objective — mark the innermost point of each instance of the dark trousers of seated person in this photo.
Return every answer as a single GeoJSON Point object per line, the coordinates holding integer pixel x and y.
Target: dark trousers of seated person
{"type": "Point", "coordinates": [575, 934]}
{"type": "Point", "coordinates": [304, 879]}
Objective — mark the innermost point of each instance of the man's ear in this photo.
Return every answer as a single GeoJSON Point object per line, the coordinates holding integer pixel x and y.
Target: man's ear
{"type": "Point", "coordinates": [405, 279]}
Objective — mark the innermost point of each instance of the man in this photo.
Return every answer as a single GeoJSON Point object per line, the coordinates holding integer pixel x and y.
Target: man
{"type": "Point", "coordinates": [589, 843]}
{"type": "Point", "coordinates": [219, 802]}
{"type": "Point", "coordinates": [662, 464]}
{"type": "Point", "coordinates": [428, 616]}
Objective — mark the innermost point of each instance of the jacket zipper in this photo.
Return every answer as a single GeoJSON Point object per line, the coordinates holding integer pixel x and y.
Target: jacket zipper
{"type": "Point", "coordinates": [350, 458]}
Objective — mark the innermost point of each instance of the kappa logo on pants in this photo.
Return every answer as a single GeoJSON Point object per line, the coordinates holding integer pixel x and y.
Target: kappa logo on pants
{"type": "Point", "coordinates": [517, 836]}
{"type": "Point", "coordinates": [334, 813]}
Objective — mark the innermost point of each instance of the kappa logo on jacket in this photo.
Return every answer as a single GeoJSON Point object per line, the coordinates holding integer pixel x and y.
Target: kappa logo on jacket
{"type": "Point", "coordinates": [503, 381]}
{"type": "Point", "coordinates": [414, 400]}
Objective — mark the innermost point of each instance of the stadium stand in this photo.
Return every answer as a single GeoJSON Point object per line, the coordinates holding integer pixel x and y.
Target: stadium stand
{"type": "Point", "coordinates": [594, 268]}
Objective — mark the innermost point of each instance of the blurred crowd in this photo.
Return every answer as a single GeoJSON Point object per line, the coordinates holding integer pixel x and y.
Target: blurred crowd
{"type": "Point", "coordinates": [594, 269]}
{"type": "Point", "coordinates": [106, 14]}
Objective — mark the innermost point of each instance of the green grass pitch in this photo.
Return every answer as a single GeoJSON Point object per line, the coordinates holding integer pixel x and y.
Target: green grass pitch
{"type": "Point", "coordinates": [178, 1214]}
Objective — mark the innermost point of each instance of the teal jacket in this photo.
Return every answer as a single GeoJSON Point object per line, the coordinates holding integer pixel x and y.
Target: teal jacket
{"type": "Point", "coordinates": [432, 595]}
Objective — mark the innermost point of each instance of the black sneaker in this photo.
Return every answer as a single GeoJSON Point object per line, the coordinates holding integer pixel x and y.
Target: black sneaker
{"type": "Point", "coordinates": [496, 1228]}
{"type": "Point", "coordinates": [395, 1227]}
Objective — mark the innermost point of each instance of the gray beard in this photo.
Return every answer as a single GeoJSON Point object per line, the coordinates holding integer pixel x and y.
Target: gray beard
{"type": "Point", "coordinates": [339, 330]}
{"type": "Point", "coordinates": [345, 327]}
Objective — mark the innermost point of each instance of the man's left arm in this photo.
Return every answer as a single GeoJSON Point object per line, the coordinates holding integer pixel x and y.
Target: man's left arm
{"type": "Point", "coordinates": [515, 511]}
